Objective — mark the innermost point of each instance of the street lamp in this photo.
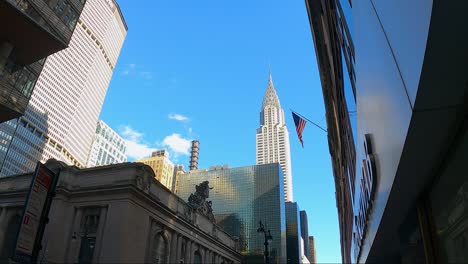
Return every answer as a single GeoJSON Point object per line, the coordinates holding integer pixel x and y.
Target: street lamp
{"type": "Point", "coordinates": [268, 239]}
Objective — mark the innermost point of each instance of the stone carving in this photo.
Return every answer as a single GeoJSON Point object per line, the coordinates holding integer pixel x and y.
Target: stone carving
{"type": "Point", "coordinates": [143, 179]}
{"type": "Point", "coordinates": [198, 200]}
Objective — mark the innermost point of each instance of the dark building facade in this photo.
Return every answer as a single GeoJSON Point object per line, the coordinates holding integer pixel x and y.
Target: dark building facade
{"type": "Point", "coordinates": [293, 233]}
{"type": "Point", "coordinates": [311, 250]}
{"type": "Point", "coordinates": [114, 214]}
{"type": "Point", "coordinates": [241, 197]}
{"type": "Point", "coordinates": [48, 24]}
{"type": "Point", "coordinates": [305, 233]}
{"type": "Point", "coordinates": [398, 142]}
{"type": "Point", "coordinates": [335, 57]}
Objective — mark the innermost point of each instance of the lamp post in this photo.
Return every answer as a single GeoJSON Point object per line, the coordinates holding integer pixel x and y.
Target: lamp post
{"type": "Point", "coordinates": [268, 239]}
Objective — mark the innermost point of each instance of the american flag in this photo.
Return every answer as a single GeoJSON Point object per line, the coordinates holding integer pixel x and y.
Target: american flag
{"type": "Point", "coordinates": [300, 124]}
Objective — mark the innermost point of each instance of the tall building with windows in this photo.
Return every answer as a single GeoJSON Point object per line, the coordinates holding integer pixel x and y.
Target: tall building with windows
{"type": "Point", "coordinates": [272, 139]}
{"type": "Point", "coordinates": [241, 197]}
{"type": "Point", "coordinates": [48, 24]}
{"type": "Point", "coordinates": [305, 233]}
{"type": "Point", "coordinates": [312, 255]}
{"type": "Point", "coordinates": [396, 111]}
{"type": "Point", "coordinates": [162, 166]}
{"type": "Point", "coordinates": [108, 147]}
{"type": "Point", "coordinates": [61, 117]}
{"type": "Point", "coordinates": [294, 247]}
{"type": "Point", "coordinates": [178, 172]}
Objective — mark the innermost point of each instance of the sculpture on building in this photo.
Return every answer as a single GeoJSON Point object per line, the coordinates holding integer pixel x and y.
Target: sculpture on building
{"type": "Point", "coordinates": [198, 200]}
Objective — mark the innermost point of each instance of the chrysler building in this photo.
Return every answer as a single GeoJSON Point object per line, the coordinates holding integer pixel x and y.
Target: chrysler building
{"type": "Point", "coordinates": [272, 140]}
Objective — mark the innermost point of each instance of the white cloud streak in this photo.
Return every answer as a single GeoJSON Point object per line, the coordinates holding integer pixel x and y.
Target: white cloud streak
{"type": "Point", "coordinates": [178, 117]}
{"type": "Point", "coordinates": [136, 147]}
{"type": "Point", "coordinates": [177, 144]}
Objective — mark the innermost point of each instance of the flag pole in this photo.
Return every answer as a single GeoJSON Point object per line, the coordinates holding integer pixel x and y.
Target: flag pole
{"type": "Point", "coordinates": [313, 123]}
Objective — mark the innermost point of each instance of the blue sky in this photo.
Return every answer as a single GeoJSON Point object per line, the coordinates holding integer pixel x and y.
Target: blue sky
{"type": "Point", "coordinates": [199, 70]}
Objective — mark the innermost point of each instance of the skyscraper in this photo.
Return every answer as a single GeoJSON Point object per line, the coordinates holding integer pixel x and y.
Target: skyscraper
{"type": "Point", "coordinates": [163, 168]}
{"type": "Point", "coordinates": [108, 147]}
{"type": "Point", "coordinates": [272, 140]}
{"type": "Point", "coordinates": [178, 171]}
{"type": "Point", "coordinates": [293, 233]}
{"type": "Point", "coordinates": [61, 117]}
{"type": "Point", "coordinates": [241, 197]}
{"type": "Point", "coordinates": [399, 162]}
{"type": "Point", "coordinates": [312, 254]}
{"type": "Point", "coordinates": [305, 233]}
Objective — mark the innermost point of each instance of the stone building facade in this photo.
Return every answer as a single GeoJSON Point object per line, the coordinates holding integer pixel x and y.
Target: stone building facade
{"type": "Point", "coordinates": [115, 214]}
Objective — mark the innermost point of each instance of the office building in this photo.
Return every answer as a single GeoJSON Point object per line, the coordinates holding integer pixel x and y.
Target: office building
{"type": "Point", "coordinates": [92, 220]}
{"type": "Point", "coordinates": [293, 233]}
{"type": "Point", "coordinates": [336, 68]}
{"type": "Point", "coordinates": [395, 97]}
{"type": "Point", "coordinates": [241, 197]}
{"type": "Point", "coordinates": [47, 24]}
{"type": "Point", "coordinates": [272, 138]}
{"type": "Point", "coordinates": [60, 120]}
{"type": "Point", "coordinates": [163, 168]}
{"type": "Point", "coordinates": [312, 254]}
{"type": "Point", "coordinates": [107, 148]}
{"type": "Point", "coordinates": [178, 171]}
{"type": "Point", "coordinates": [305, 232]}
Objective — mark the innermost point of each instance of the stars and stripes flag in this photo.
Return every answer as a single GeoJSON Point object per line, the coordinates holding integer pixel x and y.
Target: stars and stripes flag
{"type": "Point", "coordinates": [300, 125]}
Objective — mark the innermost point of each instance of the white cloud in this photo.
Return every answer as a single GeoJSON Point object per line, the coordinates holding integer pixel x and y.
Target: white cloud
{"type": "Point", "coordinates": [136, 148]}
{"type": "Point", "coordinates": [130, 68]}
{"type": "Point", "coordinates": [146, 75]}
{"type": "Point", "coordinates": [178, 117]}
{"type": "Point", "coordinates": [177, 144]}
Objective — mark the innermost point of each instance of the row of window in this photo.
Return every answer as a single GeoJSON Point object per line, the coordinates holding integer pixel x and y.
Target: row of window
{"type": "Point", "coordinates": [65, 12]}
{"type": "Point", "coordinates": [22, 79]}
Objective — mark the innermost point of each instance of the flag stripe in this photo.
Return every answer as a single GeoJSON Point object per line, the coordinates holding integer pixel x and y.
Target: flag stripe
{"type": "Point", "coordinates": [300, 123]}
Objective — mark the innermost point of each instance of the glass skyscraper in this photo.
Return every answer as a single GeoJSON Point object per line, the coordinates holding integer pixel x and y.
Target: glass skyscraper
{"type": "Point", "coordinates": [241, 197]}
{"type": "Point", "coordinates": [293, 233]}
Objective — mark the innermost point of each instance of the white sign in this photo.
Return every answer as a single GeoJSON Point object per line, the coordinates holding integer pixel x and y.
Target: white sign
{"type": "Point", "coordinates": [33, 211]}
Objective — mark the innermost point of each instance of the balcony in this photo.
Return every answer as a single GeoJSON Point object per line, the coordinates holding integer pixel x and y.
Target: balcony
{"type": "Point", "coordinates": [33, 29]}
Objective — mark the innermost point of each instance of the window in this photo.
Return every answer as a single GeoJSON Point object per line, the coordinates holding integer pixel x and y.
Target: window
{"type": "Point", "coordinates": [197, 258]}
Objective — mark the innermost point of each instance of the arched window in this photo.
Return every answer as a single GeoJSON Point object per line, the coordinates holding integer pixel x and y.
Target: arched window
{"type": "Point", "coordinates": [159, 253]}
{"type": "Point", "coordinates": [10, 238]}
{"type": "Point", "coordinates": [197, 258]}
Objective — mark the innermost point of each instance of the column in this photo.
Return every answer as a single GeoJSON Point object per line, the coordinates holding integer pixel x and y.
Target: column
{"type": "Point", "coordinates": [99, 233]}
{"type": "Point", "coordinates": [202, 254]}
{"type": "Point", "coordinates": [205, 256]}
{"type": "Point", "coordinates": [179, 248]}
{"type": "Point", "coordinates": [188, 252]}
{"type": "Point", "coordinates": [173, 252]}
{"type": "Point", "coordinates": [3, 225]}
{"type": "Point", "coordinates": [74, 245]}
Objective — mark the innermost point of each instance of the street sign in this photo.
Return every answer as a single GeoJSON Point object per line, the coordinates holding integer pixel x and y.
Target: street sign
{"type": "Point", "coordinates": [35, 214]}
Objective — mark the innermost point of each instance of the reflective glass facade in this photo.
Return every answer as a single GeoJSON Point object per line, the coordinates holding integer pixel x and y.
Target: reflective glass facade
{"type": "Point", "coordinates": [293, 233]}
{"type": "Point", "coordinates": [241, 197]}
{"type": "Point", "coordinates": [305, 233]}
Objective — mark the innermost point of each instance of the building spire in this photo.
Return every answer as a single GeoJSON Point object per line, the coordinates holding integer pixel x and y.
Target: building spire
{"type": "Point", "coordinates": [269, 71]}
{"type": "Point", "coordinates": [270, 97]}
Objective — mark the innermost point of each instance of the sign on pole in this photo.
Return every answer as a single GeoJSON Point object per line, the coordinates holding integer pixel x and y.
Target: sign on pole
{"type": "Point", "coordinates": [35, 214]}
